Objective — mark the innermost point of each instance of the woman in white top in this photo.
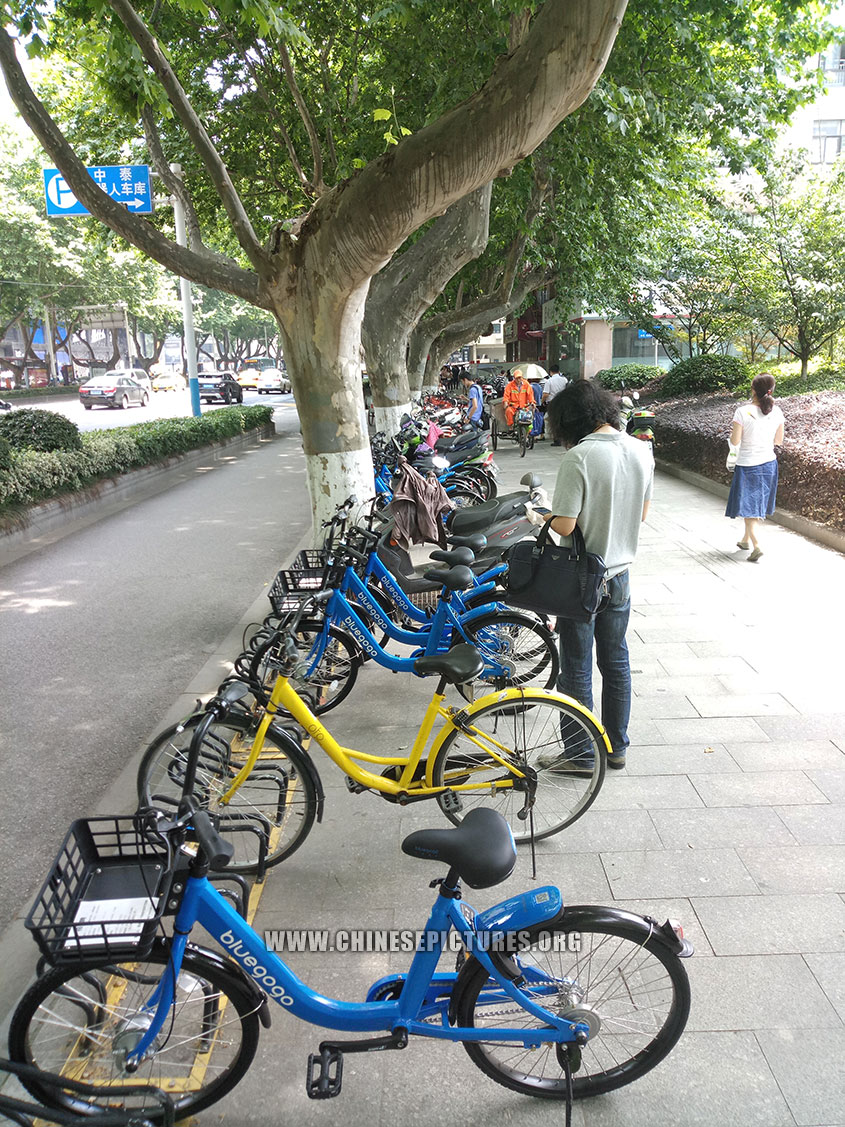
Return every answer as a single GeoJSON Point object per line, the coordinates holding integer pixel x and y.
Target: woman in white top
{"type": "Point", "coordinates": [757, 428]}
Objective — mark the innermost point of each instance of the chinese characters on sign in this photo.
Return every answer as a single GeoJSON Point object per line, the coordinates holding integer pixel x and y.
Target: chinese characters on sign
{"type": "Point", "coordinates": [129, 184]}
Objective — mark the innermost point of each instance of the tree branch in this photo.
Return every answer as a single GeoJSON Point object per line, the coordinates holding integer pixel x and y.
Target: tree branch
{"type": "Point", "coordinates": [314, 140]}
{"type": "Point", "coordinates": [137, 231]}
{"type": "Point", "coordinates": [217, 171]}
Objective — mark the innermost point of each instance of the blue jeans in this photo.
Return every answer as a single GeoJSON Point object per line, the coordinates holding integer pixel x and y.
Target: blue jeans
{"type": "Point", "coordinates": [576, 661]}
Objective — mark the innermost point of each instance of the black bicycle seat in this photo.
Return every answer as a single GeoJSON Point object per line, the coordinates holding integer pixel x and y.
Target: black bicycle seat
{"type": "Point", "coordinates": [476, 542]}
{"type": "Point", "coordinates": [481, 848]}
{"type": "Point", "coordinates": [463, 556]}
{"type": "Point", "coordinates": [455, 579]}
{"type": "Point", "coordinates": [460, 664]}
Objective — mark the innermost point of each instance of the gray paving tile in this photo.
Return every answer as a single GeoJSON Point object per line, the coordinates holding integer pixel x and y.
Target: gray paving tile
{"type": "Point", "coordinates": [580, 877]}
{"type": "Point", "coordinates": [697, 666]}
{"type": "Point", "coordinates": [650, 682]}
{"type": "Point", "coordinates": [691, 627]}
{"type": "Point", "coordinates": [622, 792]}
{"type": "Point", "coordinates": [600, 830]}
{"type": "Point", "coordinates": [659, 706]}
{"type": "Point", "coordinates": [736, 992]}
{"type": "Point", "coordinates": [641, 730]}
{"type": "Point", "coordinates": [758, 788]}
{"type": "Point", "coordinates": [830, 783]}
{"type": "Point", "coordinates": [783, 924]}
{"type": "Point", "coordinates": [799, 868]}
{"type": "Point", "coordinates": [808, 1065]}
{"type": "Point", "coordinates": [815, 825]}
{"type": "Point", "coordinates": [807, 727]}
{"type": "Point", "coordinates": [829, 971]}
{"type": "Point", "coordinates": [711, 730]}
{"type": "Point", "coordinates": [788, 755]}
{"type": "Point", "coordinates": [708, 1080]}
{"type": "Point", "coordinates": [677, 872]}
{"type": "Point", "coordinates": [679, 759]}
{"type": "Point", "coordinates": [721, 825]}
{"type": "Point", "coordinates": [750, 704]}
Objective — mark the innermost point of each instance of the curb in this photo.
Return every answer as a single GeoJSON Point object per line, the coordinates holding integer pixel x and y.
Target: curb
{"type": "Point", "coordinates": [820, 533]}
{"type": "Point", "coordinates": [48, 521]}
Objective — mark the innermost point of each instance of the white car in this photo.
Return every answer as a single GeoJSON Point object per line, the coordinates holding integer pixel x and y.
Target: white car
{"type": "Point", "coordinates": [272, 380]}
{"type": "Point", "coordinates": [136, 374]}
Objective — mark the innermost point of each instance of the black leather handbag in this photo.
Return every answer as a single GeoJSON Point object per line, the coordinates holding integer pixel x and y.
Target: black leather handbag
{"type": "Point", "coordinates": [567, 581]}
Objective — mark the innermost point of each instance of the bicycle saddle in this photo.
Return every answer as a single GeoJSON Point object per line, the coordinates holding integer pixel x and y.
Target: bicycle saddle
{"type": "Point", "coordinates": [460, 664]}
{"type": "Point", "coordinates": [457, 556]}
{"type": "Point", "coordinates": [476, 543]}
{"type": "Point", "coordinates": [456, 578]}
{"type": "Point", "coordinates": [481, 848]}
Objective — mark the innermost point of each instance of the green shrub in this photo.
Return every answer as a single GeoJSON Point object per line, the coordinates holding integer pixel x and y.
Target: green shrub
{"type": "Point", "coordinates": [33, 475]}
{"type": "Point", "coordinates": [5, 454]}
{"type": "Point", "coordinates": [34, 429]}
{"type": "Point", "coordinates": [706, 373]}
{"type": "Point", "coordinates": [627, 375]}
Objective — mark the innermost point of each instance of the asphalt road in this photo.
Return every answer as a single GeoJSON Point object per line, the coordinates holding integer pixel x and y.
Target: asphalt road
{"type": "Point", "coordinates": [101, 631]}
{"type": "Point", "coordinates": [162, 405]}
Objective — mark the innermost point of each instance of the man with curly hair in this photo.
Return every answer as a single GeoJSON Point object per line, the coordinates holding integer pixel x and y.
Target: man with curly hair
{"type": "Point", "coordinates": [604, 486]}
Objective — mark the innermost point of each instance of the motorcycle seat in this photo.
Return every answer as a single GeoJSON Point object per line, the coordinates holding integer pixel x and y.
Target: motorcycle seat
{"type": "Point", "coordinates": [479, 518]}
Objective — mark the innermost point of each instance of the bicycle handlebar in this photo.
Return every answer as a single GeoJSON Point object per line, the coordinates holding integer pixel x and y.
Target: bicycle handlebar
{"type": "Point", "coordinates": [217, 850]}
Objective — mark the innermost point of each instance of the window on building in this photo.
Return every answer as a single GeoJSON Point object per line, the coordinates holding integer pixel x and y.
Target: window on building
{"type": "Point", "coordinates": [827, 140]}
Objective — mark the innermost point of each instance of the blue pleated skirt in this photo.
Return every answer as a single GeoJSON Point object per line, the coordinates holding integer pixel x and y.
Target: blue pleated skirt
{"type": "Point", "coordinates": [753, 491]}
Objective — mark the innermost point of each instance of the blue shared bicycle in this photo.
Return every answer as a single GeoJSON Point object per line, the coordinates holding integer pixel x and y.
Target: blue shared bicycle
{"type": "Point", "coordinates": [552, 1000]}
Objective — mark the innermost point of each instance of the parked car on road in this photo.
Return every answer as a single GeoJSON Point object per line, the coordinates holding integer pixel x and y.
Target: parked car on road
{"type": "Point", "coordinates": [220, 385]}
{"type": "Point", "coordinates": [137, 374]}
{"type": "Point", "coordinates": [169, 381]}
{"type": "Point", "coordinates": [272, 380]}
{"type": "Point", "coordinates": [112, 390]}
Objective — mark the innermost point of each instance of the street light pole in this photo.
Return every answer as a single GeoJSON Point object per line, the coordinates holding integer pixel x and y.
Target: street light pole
{"type": "Point", "coordinates": [187, 306]}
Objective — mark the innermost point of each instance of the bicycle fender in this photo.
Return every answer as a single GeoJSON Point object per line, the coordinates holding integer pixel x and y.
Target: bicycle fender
{"type": "Point", "coordinates": [247, 986]}
{"type": "Point", "coordinates": [641, 928]}
{"type": "Point", "coordinates": [285, 737]}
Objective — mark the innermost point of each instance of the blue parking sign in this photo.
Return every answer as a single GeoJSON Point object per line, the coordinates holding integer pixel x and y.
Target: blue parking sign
{"type": "Point", "coordinates": [129, 184]}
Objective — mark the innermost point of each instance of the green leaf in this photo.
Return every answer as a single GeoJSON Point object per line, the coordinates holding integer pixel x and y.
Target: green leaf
{"type": "Point", "coordinates": [382, 115]}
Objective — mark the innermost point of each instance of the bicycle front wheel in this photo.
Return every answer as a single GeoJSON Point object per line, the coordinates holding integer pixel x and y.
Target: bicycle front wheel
{"type": "Point", "coordinates": [562, 747]}
{"type": "Point", "coordinates": [518, 641]}
{"type": "Point", "coordinates": [81, 1021]}
{"type": "Point", "coordinates": [633, 995]}
{"type": "Point", "coordinates": [277, 800]}
{"type": "Point", "coordinates": [330, 679]}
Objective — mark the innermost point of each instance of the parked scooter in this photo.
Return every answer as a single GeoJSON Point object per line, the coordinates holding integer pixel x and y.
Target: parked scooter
{"type": "Point", "coordinates": [638, 421]}
{"type": "Point", "coordinates": [502, 522]}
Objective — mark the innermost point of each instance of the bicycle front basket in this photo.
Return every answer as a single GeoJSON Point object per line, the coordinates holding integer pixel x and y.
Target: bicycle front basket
{"type": "Point", "coordinates": [525, 415]}
{"type": "Point", "coordinates": [106, 892]}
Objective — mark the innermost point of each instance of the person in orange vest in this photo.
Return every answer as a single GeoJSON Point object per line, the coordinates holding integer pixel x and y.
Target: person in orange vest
{"type": "Point", "coordinates": [518, 394]}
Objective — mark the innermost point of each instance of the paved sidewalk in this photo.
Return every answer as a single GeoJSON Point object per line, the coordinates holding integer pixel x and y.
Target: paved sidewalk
{"type": "Point", "coordinates": [729, 816]}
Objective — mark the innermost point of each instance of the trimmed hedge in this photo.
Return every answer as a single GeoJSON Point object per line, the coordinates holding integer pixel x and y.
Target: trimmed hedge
{"type": "Point", "coordinates": [34, 475]}
{"type": "Point", "coordinates": [34, 429]}
{"type": "Point", "coordinates": [49, 392]}
{"type": "Point", "coordinates": [629, 375]}
{"type": "Point", "coordinates": [701, 374]}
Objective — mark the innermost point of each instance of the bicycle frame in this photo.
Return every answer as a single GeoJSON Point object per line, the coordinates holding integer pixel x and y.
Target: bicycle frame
{"type": "Point", "coordinates": [285, 696]}
{"type": "Point", "coordinates": [424, 994]}
{"type": "Point", "coordinates": [434, 639]}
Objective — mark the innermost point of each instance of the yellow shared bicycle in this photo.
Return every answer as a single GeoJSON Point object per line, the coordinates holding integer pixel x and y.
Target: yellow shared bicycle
{"type": "Point", "coordinates": [536, 756]}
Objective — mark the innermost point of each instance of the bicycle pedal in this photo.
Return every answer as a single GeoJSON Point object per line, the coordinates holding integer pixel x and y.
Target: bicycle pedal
{"type": "Point", "coordinates": [353, 787]}
{"type": "Point", "coordinates": [450, 803]}
{"type": "Point", "coordinates": [328, 1065]}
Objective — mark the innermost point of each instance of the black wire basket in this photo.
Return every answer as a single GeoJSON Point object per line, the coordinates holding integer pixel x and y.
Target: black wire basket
{"type": "Point", "coordinates": [106, 892]}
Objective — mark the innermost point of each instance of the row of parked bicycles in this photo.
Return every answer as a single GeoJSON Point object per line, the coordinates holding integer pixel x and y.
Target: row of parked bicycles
{"type": "Point", "coordinates": [549, 999]}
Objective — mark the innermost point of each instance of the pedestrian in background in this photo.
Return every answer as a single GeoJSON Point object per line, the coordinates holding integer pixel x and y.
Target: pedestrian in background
{"type": "Point", "coordinates": [756, 430]}
{"type": "Point", "coordinates": [517, 394]}
{"type": "Point", "coordinates": [552, 387]}
{"type": "Point", "coordinates": [475, 401]}
{"type": "Point", "coordinates": [536, 386]}
{"type": "Point", "coordinates": [604, 486]}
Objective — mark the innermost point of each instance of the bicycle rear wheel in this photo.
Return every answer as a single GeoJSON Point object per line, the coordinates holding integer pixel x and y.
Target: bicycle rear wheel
{"type": "Point", "coordinates": [561, 746]}
{"type": "Point", "coordinates": [80, 1022]}
{"type": "Point", "coordinates": [634, 996]}
{"type": "Point", "coordinates": [518, 641]}
{"type": "Point", "coordinates": [278, 798]}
